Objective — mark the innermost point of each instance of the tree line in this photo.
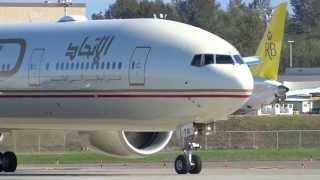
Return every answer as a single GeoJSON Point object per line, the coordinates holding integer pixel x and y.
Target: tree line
{"type": "Point", "coordinates": [241, 24]}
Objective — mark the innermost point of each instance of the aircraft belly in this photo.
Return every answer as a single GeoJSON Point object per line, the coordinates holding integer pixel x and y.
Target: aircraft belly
{"type": "Point", "coordinates": [112, 113]}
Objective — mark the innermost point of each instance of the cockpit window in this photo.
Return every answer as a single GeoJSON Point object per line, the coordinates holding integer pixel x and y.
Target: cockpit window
{"type": "Point", "coordinates": [208, 59]}
{"type": "Point", "coordinates": [196, 61]}
{"type": "Point", "coordinates": [224, 59]}
{"type": "Point", "coordinates": [238, 59]}
{"type": "Point", "coordinates": [200, 60]}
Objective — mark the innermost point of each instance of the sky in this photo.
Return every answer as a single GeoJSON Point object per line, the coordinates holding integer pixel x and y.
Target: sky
{"type": "Point", "coordinates": [100, 5]}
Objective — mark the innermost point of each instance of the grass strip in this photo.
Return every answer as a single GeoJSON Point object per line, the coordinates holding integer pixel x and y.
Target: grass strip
{"type": "Point", "coordinates": [212, 155]}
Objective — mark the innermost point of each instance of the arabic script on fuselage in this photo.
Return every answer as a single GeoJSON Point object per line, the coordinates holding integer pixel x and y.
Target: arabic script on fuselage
{"type": "Point", "coordinates": [91, 48]}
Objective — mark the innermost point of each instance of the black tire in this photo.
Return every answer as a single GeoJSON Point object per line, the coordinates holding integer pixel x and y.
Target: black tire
{"type": "Point", "coordinates": [9, 162]}
{"type": "Point", "coordinates": [1, 160]}
{"type": "Point", "coordinates": [181, 165]}
{"type": "Point", "coordinates": [197, 167]}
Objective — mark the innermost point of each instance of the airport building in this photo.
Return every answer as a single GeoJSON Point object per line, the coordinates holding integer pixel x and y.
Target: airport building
{"type": "Point", "coordinates": [297, 79]}
{"type": "Point", "coordinates": [38, 12]}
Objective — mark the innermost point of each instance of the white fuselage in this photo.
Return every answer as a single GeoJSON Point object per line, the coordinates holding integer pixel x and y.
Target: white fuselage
{"type": "Point", "coordinates": [115, 74]}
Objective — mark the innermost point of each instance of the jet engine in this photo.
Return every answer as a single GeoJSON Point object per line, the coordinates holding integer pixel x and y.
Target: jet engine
{"type": "Point", "coordinates": [127, 143]}
{"type": "Point", "coordinates": [281, 93]}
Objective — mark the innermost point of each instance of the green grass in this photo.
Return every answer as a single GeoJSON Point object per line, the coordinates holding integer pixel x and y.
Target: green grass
{"type": "Point", "coordinates": [261, 123]}
{"type": "Point", "coordinates": [304, 122]}
{"type": "Point", "coordinates": [213, 155]}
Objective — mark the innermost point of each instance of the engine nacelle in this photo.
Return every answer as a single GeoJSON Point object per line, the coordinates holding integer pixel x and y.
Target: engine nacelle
{"type": "Point", "coordinates": [125, 143]}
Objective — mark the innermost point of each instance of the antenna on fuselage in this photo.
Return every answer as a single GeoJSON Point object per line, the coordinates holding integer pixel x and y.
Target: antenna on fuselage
{"type": "Point", "coordinates": [161, 16]}
{"type": "Point", "coordinates": [65, 4]}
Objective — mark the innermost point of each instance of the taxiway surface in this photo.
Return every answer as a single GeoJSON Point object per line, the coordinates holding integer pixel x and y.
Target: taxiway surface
{"type": "Point", "coordinates": [293, 170]}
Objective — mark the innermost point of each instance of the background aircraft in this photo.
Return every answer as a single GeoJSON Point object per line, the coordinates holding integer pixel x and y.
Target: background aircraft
{"type": "Point", "coordinates": [303, 93]}
{"type": "Point", "coordinates": [265, 65]}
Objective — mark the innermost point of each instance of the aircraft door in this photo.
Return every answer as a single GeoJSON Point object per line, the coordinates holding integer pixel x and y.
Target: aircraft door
{"type": "Point", "coordinates": [137, 67]}
{"type": "Point", "coordinates": [34, 66]}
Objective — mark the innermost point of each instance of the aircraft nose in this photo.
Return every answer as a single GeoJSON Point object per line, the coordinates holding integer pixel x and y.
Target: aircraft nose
{"type": "Point", "coordinates": [235, 78]}
{"type": "Point", "coordinates": [239, 78]}
{"type": "Point", "coordinates": [241, 83]}
{"type": "Point", "coordinates": [243, 78]}
{"type": "Point", "coordinates": [234, 83]}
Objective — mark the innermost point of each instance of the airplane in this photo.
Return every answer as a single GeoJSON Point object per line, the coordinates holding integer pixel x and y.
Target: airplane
{"type": "Point", "coordinates": [265, 65]}
{"type": "Point", "coordinates": [303, 93]}
{"type": "Point", "coordinates": [125, 85]}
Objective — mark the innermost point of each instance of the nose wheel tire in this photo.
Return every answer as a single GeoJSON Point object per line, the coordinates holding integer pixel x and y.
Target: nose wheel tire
{"type": "Point", "coordinates": [197, 165]}
{"type": "Point", "coordinates": [1, 157]}
{"type": "Point", "coordinates": [8, 162]}
{"type": "Point", "coordinates": [181, 165]}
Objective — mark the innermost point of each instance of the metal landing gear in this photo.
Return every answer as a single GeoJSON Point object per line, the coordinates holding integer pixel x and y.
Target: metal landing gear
{"type": "Point", "coordinates": [8, 162]}
{"type": "Point", "coordinates": [188, 162]}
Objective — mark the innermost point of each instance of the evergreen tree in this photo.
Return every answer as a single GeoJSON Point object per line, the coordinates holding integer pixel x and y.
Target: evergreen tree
{"type": "Point", "coordinates": [200, 13]}
{"type": "Point", "coordinates": [307, 12]}
{"type": "Point", "coordinates": [123, 9]}
{"type": "Point", "coordinates": [263, 8]}
{"type": "Point", "coordinates": [235, 3]}
{"type": "Point", "coordinates": [97, 16]}
{"type": "Point", "coordinates": [243, 28]}
{"type": "Point", "coordinates": [260, 4]}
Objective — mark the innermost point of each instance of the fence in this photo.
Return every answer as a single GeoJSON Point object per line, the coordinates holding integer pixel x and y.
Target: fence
{"type": "Point", "coordinates": [70, 141]}
{"type": "Point", "coordinates": [259, 139]}
{"type": "Point", "coordinates": [57, 141]}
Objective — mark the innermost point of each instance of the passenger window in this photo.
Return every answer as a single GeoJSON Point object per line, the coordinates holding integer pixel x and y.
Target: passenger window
{"type": "Point", "coordinates": [120, 65]}
{"type": "Point", "coordinates": [62, 66]}
{"type": "Point", "coordinates": [97, 65]}
{"type": "Point", "coordinates": [196, 61]}
{"type": "Point", "coordinates": [57, 66]}
{"type": "Point", "coordinates": [208, 59]}
{"type": "Point", "coordinates": [67, 66]}
{"type": "Point", "coordinates": [47, 66]}
{"type": "Point", "coordinates": [87, 66]}
{"type": "Point", "coordinates": [72, 66]}
{"type": "Point", "coordinates": [82, 66]}
{"type": "Point", "coordinates": [108, 65]}
{"type": "Point", "coordinates": [3, 67]}
{"type": "Point", "coordinates": [77, 66]}
{"type": "Point", "coordinates": [224, 59]}
{"type": "Point", "coordinates": [113, 65]}
{"type": "Point", "coordinates": [102, 65]}
{"type": "Point", "coordinates": [8, 67]}
{"type": "Point", "coordinates": [238, 59]}
{"type": "Point", "coordinates": [92, 66]}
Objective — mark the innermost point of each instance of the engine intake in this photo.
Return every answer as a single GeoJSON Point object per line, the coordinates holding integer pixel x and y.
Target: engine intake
{"type": "Point", "coordinates": [127, 143]}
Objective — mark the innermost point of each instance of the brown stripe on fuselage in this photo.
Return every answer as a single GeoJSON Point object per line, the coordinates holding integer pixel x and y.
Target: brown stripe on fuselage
{"type": "Point", "coordinates": [128, 94]}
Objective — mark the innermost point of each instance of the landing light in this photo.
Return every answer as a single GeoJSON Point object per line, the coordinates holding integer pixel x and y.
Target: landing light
{"type": "Point", "coordinates": [196, 132]}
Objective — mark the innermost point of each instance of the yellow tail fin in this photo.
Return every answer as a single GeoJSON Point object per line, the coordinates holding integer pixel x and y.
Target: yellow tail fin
{"type": "Point", "coordinates": [270, 47]}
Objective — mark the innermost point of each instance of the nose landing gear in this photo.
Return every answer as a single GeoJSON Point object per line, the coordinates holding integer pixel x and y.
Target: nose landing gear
{"type": "Point", "coordinates": [188, 162]}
